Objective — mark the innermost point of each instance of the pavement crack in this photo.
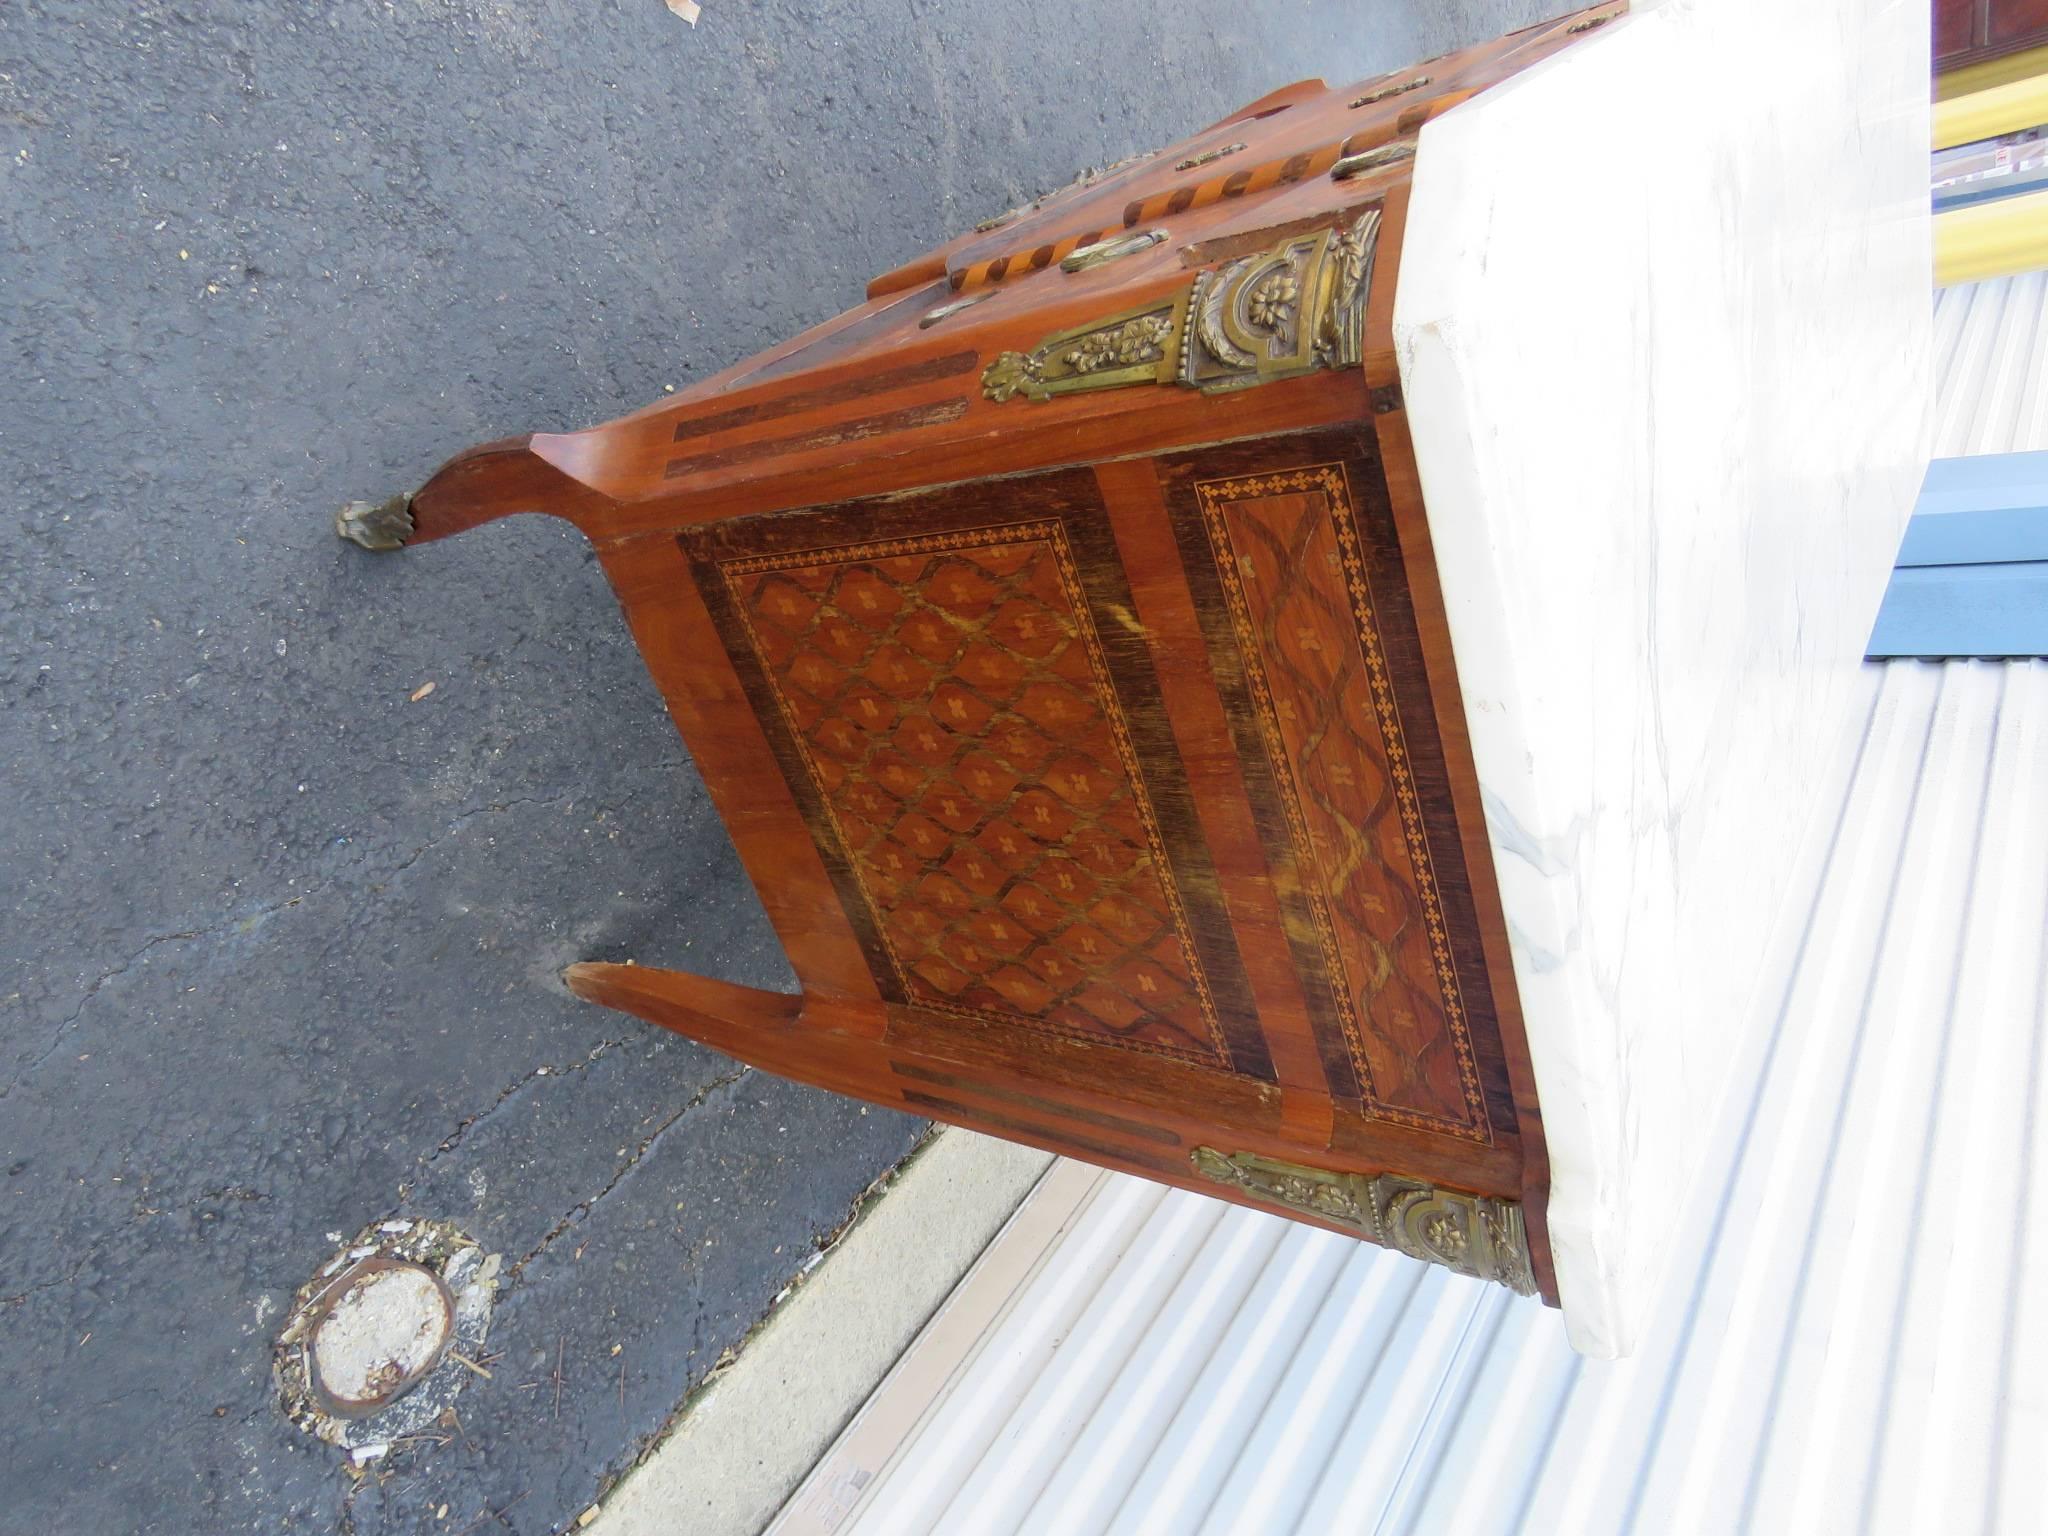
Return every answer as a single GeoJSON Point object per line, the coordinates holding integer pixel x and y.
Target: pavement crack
{"type": "Point", "coordinates": [92, 991]}
{"type": "Point", "coordinates": [47, 1285]}
{"type": "Point", "coordinates": [507, 1094]}
{"type": "Point", "coordinates": [583, 1208]}
{"type": "Point", "coordinates": [345, 1524]}
{"type": "Point", "coordinates": [369, 870]}
{"type": "Point", "coordinates": [492, 808]}
{"type": "Point", "coordinates": [823, 1243]}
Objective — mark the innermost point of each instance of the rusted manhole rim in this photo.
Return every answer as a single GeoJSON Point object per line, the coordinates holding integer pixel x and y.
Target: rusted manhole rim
{"type": "Point", "coordinates": [347, 1287]}
{"type": "Point", "coordinates": [354, 1406]}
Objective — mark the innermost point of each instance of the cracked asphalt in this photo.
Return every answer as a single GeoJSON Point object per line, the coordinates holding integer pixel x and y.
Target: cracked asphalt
{"type": "Point", "coordinates": [282, 943]}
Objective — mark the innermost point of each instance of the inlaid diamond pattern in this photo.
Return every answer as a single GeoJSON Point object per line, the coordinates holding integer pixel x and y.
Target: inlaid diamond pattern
{"type": "Point", "coordinates": [952, 707]}
{"type": "Point", "coordinates": [1295, 581]}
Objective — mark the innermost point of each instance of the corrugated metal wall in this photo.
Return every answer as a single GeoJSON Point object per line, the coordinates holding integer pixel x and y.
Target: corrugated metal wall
{"type": "Point", "coordinates": [1991, 360]}
{"type": "Point", "coordinates": [1855, 1336]}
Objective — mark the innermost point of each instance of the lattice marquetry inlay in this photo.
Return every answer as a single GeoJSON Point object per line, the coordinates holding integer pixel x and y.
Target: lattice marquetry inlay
{"type": "Point", "coordinates": [952, 706]}
{"type": "Point", "coordinates": [1295, 581]}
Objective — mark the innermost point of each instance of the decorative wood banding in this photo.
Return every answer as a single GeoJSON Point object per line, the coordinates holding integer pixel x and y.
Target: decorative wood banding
{"type": "Point", "coordinates": [837, 435]}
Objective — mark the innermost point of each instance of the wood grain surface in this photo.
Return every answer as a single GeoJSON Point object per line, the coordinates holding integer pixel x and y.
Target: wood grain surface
{"type": "Point", "coordinates": [1099, 758]}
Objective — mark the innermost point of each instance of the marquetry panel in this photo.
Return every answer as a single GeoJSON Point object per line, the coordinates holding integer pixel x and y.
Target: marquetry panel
{"type": "Point", "coordinates": [952, 709]}
{"type": "Point", "coordinates": [1377, 952]}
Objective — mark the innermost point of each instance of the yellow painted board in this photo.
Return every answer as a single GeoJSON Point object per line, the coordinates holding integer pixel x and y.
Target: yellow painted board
{"type": "Point", "coordinates": [1987, 114]}
{"type": "Point", "coordinates": [1982, 77]}
{"type": "Point", "coordinates": [1994, 239]}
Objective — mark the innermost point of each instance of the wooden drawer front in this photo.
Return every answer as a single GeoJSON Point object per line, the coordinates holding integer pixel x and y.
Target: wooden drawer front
{"type": "Point", "coordinates": [962, 741]}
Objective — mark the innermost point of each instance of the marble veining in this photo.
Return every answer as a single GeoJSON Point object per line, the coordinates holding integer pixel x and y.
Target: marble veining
{"type": "Point", "coordinates": [1664, 334]}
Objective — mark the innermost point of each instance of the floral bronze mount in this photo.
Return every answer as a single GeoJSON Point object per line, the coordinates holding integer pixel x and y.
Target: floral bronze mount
{"type": "Point", "coordinates": [1288, 310]}
{"type": "Point", "coordinates": [1475, 1235]}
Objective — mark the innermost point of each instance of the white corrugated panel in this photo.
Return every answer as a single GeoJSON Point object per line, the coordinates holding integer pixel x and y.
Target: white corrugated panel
{"type": "Point", "coordinates": [1854, 1338]}
{"type": "Point", "coordinates": [1991, 358]}
{"type": "Point", "coordinates": [1855, 1334]}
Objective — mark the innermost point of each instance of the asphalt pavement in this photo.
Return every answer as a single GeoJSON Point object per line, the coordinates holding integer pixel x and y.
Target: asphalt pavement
{"type": "Point", "coordinates": [294, 841]}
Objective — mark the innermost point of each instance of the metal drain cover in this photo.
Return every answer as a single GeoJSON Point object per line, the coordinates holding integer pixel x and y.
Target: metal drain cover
{"type": "Point", "coordinates": [381, 1339]}
{"type": "Point", "coordinates": [384, 1327]}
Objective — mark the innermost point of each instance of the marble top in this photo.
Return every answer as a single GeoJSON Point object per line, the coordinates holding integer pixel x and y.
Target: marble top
{"type": "Point", "coordinates": [1664, 327]}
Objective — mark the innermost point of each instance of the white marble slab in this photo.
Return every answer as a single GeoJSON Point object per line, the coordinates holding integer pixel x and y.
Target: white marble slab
{"type": "Point", "coordinates": [1664, 326]}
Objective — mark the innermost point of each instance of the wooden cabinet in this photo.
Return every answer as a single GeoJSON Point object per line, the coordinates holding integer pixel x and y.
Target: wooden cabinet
{"type": "Point", "coordinates": [1968, 31]}
{"type": "Point", "coordinates": [1059, 637]}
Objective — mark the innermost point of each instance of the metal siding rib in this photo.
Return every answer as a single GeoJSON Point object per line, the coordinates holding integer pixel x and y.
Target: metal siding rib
{"type": "Point", "coordinates": [1025, 1343]}
{"type": "Point", "coordinates": [1119, 1416]}
{"type": "Point", "coordinates": [1007, 1482]}
{"type": "Point", "coordinates": [1204, 1437]}
{"type": "Point", "coordinates": [1854, 1325]}
{"type": "Point", "coordinates": [1991, 351]}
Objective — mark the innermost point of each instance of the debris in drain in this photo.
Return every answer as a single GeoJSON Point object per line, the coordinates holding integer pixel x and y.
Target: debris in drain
{"type": "Point", "coordinates": [382, 1338]}
{"type": "Point", "coordinates": [382, 1326]}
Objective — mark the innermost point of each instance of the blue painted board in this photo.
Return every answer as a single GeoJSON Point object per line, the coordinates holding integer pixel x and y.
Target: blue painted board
{"type": "Point", "coordinates": [1972, 571]}
{"type": "Point", "coordinates": [1964, 610]}
{"type": "Point", "coordinates": [1991, 189]}
{"type": "Point", "coordinates": [1958, 492]}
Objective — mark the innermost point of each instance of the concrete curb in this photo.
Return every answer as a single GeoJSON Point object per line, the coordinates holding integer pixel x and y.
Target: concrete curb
{"type": "Point", "coordinates": [749, 1439]}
